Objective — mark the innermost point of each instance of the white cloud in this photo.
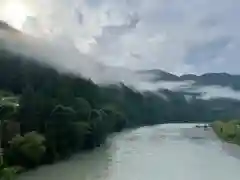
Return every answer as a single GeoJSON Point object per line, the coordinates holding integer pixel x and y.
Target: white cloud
{"type": "Point", "coordinates": [161, 32]}
{"type": "Point", "coordinates": [174, 86]}
{"type": "Point", "coordinates": [86, 36]}
{"type": "Point", "coordinates": [214, 92]}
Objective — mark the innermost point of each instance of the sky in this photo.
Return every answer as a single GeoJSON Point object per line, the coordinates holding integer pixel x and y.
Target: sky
{"type": "Point", "coordinates": [109, 40]}
{"type": "Point", "coordinates": [178, 36]}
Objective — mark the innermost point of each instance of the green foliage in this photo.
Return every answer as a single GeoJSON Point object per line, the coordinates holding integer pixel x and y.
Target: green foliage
{"type": "Point", "coordinates": [82, 108]}
{"type": "Point", "coordinates": [5, 93]}
{"type": "Point", "coordinates": [7, 112]}
{"type": "Point", "coordinates": [29, 147]}
{"type": "Point", "coordinates": [8, 107]}
{"type": "Point", "coordinates": [8, 173]}
{"type": "Point", "coordinates": [228, 131]}
{"type": "Point", "coordinates": [235, 122]}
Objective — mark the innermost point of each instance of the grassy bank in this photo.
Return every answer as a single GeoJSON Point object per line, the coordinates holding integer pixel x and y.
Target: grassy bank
{"type": "Point", "coordinates": [228, 131]}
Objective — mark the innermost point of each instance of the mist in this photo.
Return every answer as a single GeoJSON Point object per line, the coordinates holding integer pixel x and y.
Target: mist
{"type": "Point", "coordinates": [63, 55]}
{"type": "Point", "coordinates": [66, 58]}
{"type": "Point", "coordinates": [214, 92]}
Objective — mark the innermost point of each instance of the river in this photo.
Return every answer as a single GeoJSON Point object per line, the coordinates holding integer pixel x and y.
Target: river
{"type": "Point", "coordinates": [163, 152]}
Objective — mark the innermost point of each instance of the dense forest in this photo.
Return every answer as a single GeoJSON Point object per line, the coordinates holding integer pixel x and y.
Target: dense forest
{"type": "Point", "coordinates": [46, 116]}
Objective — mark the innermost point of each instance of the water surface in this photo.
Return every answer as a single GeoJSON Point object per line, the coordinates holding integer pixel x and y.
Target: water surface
{"type": "Point", "coordinates": [163, 152]}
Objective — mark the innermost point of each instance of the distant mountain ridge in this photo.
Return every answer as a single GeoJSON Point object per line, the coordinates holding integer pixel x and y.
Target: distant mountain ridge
{"type": "Point", "coordinates": [159, 75]}
{"type": "Point", "coordinates": [218, 79]}
{"type": "Point", "coordinates": [221, 79]}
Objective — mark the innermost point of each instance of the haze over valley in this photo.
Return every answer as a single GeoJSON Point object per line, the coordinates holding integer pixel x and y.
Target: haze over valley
{"type": "Point", "coordinates": [112, 90]}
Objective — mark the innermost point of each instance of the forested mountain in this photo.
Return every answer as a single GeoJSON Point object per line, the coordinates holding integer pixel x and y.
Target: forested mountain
{"type": "Point", "coordinates": [220, 79]}
{"type": "Point", "coordinates": [23, 76]}
{"type": "Point", "coordinates": [59, 114]}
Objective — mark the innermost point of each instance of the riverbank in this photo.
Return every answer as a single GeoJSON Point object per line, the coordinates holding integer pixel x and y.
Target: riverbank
{"type": "Point", "coordinates": [228, 131]}
{"type": "Point", "coordinates": [197, 132]}
{"type": "Point", "coordinates": [229, 134]}
{"type": "Point", "coordinates": [228, 144]}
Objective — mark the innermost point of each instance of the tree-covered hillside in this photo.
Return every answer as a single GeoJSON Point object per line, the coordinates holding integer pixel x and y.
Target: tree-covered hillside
{"type": "Point", "coordinates": [57, 114]}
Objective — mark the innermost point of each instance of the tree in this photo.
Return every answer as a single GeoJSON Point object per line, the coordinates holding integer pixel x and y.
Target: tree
{"type": "Point", "coordinates": [8, 173]}
{"type": "Point", "coordinates": [59, 130]}
{"type": "Point", "coordinates": [82, 108]}
{"type": "Point", "coordinates": [7, 111]}
{"type": "Point", "coordinates": [78, 135]}
{"type": "Point", "coordinates": [27, 110]}
{"type": "Point", "coordinates": [27, 150]}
